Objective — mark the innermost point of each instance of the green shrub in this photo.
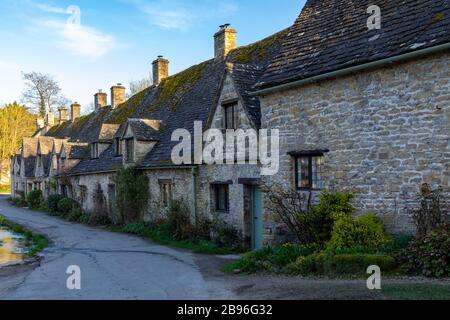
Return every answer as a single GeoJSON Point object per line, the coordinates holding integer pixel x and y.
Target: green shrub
{"type": "Point", "coordinates": [226, 236]}
{"type": "Point", "coordinates": [34, 199]}
{"type": "Point", "coordinates": [52, 202]}
{"type": "Point", "coordinates": [75, 214]}
{"type": "Point", "coordinates": [19, 202]}
{"type": "Point", "coordinates": [84, 219]}
{"type": "Point", "coordinates": [65, 205]}
{"type": "Point", "coordinates": [367, 231]}
{"type": "Point", "coordinates": [289, 253]}
{"type": "Point", "coordinates": [312, 264]}
{"type": "Point", "coordinates": [398, 243]}
{"type": "Point", "coordinates": [178, 220]}
{"type": "Point", "coordinates": [132, 194]}
{"type": "Point", "coordinates": [136, 228]}
{"type": "Point", "coordinates": [322, 217]}
{"type": "Point", "coordinates": [272, 259]}
{"type": "Point", "coordinates": [203, 229]}
{"type": "Point", "coordinates": [43, 206]}
{"type": "Point", "coordinates": [429, 255]}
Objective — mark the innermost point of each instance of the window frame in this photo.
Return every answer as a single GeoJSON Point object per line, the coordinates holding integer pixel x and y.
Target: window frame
{"type": "Point", "coordinates": [310, 157]}
{"type": "Point", "coordinates": [217, 193]}
{"type": "Point", "coordinates": [166, 198]}
{"type": "Point", "coordinates": [226, 107]}
{"type": "Point", "coordinates": [129, 158]}
{"type": "Point", "coordinates": [94, 151]}
{"type": "Point", "coordinates": [118, 147]}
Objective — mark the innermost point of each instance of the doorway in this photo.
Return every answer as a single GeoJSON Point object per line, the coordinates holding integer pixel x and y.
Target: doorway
{"type": "Point", "coordinates": [253, 217]}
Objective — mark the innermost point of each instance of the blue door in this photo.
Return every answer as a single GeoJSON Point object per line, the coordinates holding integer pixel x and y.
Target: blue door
{"type": "Point", "coordinates": [258, 220]}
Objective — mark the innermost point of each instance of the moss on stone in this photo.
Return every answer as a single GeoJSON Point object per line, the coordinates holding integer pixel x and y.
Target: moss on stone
{"type": "Point", "coordinates": [258, 49]}
{"type": "Point", "coordinates": [79, 124]}
{"type": "Point", "coordinates": [127, 109]}
{"type": "Point", "coordinates": [439, 17]}
{"type": "Point", "coordinates": [175, 87]}
{"type": "Point", "coordinates": [58, 129]}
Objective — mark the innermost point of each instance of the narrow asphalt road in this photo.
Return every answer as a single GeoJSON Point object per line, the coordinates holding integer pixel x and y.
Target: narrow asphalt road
{"type": "Point", "coordinates": [113, 266]}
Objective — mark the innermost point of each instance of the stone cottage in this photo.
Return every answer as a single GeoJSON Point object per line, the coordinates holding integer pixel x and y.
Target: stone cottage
{"type": "Point", "coordinates": [358, 109]}
{"type": "Point", "coordinates": [363, 110]}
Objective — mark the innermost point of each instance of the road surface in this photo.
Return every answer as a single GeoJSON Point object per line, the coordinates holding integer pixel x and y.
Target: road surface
{"type": "Point", "coordinates": [113, 266]}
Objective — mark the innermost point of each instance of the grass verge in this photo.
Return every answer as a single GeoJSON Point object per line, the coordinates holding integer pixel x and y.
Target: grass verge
{"type": "Point", "coordinates": [161, 236]}
{"type": "Point", "coordinates": [417, 292]}
{"type": "Point", "coordinates": [36, 242]}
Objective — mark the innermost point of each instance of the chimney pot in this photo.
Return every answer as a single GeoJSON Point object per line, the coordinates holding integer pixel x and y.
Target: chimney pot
{"type": "Point", "coordinates": [224, 41]}
{"type": "Point", "coordinates": [160, 70]}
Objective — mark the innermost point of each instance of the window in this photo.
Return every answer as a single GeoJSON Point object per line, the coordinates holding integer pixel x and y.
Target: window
{"type": "Point", "coordinates": [94, 150]}
{"type": "Point", "coordinates": [309, 172]}
{"type": "Point", "coordinates": [166, 193]}
{"type": "Point", "coordinates": [118, 147]}
{"type": "Point", "coordinates": [221, 193]}
{"type": "Point", "coordinates": [129, 145]}
{"type": "Point", "coordinates": [230, 119]}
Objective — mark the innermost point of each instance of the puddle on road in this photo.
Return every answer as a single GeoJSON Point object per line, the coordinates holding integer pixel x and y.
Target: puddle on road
{"type": "Point", "coordinates": [12, 247]}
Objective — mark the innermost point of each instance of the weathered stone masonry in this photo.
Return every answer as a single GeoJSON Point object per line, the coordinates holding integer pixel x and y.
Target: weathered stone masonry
{"type": "Point", "coordinates": [387, 131]}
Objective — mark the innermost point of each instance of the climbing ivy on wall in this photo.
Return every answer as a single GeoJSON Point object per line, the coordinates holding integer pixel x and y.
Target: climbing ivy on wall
{"type": "Point", "coordinates": [132, 194]}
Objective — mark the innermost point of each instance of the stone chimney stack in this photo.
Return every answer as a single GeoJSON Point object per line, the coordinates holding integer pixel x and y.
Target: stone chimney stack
{"type": "Point", "coordinates": [100, 100]}
{"type": "Point", "coordinates": [40, 123]}
{"type": "Point", "coordinates": [224, 41]}
{"type": "Point", "coordinates": [63, 114]}
{"type": "Point", "coordinates": [118, 95]}
{"type": "Point", "coordinates": [50, 119]}
{"type": "Point", "coordinates": [75, 111]}
{"type": "Point", "coordinates": [160, 70]}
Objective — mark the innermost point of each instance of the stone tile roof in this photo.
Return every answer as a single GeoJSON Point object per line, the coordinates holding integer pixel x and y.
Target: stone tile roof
{"type": "Point", "coordinates": [29, 147]}
{"type": "Point", "coordinates": [245, 76]}
{"type": "Point", "coordinates": [107, 132]}
{"type": "Point", "coordinates": [330, 35]}
{"type": "Point", "coordinates": [76, 150]}
{"type": "Point", "coordinates": [45, 144]}
{"type": "Point", "coordinates": [105, 163]}
{"type": "Point", "coordinates": [144, 129]}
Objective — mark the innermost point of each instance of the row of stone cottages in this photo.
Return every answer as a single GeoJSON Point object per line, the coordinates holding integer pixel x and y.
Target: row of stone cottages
{"type": "Point", "coordinates": [357, 109]}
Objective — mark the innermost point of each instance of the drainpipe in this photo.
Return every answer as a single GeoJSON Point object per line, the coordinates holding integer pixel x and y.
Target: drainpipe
{"type": "Point", "coordinates": [194, 192]}
{"type": "Point", "coordinates": [344, 72]}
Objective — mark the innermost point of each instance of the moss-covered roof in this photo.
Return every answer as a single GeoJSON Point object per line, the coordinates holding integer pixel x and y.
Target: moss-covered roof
{"type": "Point", "coordinates": [177, 102]}
{"type": "Point", "coordinates": [257, 51]}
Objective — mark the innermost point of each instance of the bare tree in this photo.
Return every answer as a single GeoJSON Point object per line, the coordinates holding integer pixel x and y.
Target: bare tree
{"type": "Point", "coordinates": [291, 208]}
{"type": "Point", "coordinates": [42, 92]}
{"type": "Point", "coordinates": [139, 85]}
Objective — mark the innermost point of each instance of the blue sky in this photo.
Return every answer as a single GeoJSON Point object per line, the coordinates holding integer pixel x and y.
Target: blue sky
{"type": "Point", "coordinates": [118, 39]}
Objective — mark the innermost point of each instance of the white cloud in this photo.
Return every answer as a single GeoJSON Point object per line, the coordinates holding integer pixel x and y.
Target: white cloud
{"type": "Point", "coordinates": [80, 40]}
{"type": "Point", "coordinates": [72, 36]}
